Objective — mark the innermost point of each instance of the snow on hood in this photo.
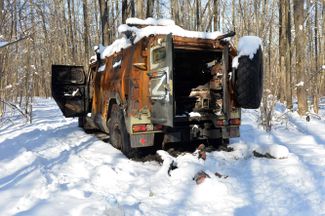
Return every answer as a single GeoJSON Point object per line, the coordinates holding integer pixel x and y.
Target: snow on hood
{"type": "Point", "coordinates": [155, 27]}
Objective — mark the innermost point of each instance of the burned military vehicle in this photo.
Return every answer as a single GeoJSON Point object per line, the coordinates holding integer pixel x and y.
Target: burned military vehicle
{"type": "Point", "coordinates": [162, 84]}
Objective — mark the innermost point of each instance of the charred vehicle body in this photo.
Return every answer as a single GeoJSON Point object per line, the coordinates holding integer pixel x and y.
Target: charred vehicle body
{"type": "Point", "coordinates": [160, 84]}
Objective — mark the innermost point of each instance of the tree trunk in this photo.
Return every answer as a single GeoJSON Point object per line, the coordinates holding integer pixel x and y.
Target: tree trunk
{"type": "Point", "coordinates": [300, 40]}
{"type": "Point", "coordinates": [322, 79]}
{"type": "Point", "coordinates": [198, 23]}
{"type": "Point", "coordinates": [288, 56]}
{"type": "Point", "coordinates": [97, 23]}
{"type": "Point", "coordinates": [1, 18]}
{"type": "Point", "coordinates": [150, 6]}
{"type": "Point", "coordinates": [71, 33]}
{"type": "Point", "coordinates": [86, 31]}
{"type": "Point", "coordinates": [103, 7]}
{"type": "Point", "coordinates": [158, 14]}
{"type": "Point", "coordinates": [132, 8]}
{"type": "Point", "coordinates": [140, 9]}
{"type": "Point", "coordinates": [175, 11]}
{"type": "Point", "coordinates": [282, 49]}
{"type": "Point", "coordinates": [233, 11]}
{"type": "Point", "coordinates": [124, 10]}
{"type": "Point", "coordinates": [216, 15]}
{"type": "Point", "coordinates": [315, 78]}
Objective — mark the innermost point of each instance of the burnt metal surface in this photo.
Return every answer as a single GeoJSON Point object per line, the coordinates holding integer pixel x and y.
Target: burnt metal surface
{"type": "Point", "coordinates": [68, 89]}
{"type": "Point", "coordinates": [129, 80]}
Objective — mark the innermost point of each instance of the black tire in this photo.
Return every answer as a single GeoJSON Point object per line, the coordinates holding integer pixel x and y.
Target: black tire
{"type": "Point", "coordinates": [249, 81]}
{"type": "Point", "coordinates": [118, 135]}
{"type": "Point", "coordinates": [81, 122]}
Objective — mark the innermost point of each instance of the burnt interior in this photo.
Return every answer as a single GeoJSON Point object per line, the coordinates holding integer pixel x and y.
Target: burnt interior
{"type": "Point", "coordinates": [191, 70]}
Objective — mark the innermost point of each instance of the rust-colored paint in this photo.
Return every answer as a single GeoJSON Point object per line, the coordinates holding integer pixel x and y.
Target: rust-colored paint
{"type": "Point", "coordinates": [129, 82]}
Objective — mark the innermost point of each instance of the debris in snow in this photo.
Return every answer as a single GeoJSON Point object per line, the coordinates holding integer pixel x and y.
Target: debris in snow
{"type": "Point", "coordinates": [167, 161]}
{"type": "Point", "coordinates": [172, 166]}
{"type": "Point", "coordinates": [53, 160]}
{"type": "Point", "coordinates": [200, 177]}
{"type": "Point", "coordinates": [220, 176]}
{"type": "Point", "coordinates": [201, 152]}
{"type": "Point", "coordinates": [301, 83]}
{"type": "Point", "coordinates": [271, 151]}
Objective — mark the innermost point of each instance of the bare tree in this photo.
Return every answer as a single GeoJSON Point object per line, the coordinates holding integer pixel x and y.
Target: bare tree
{"type": "Point", "coordinates": [86, 30]}
{"type": "Point", "coordinates": [150, 6]}
{"type": "Point", "coordinates": [300, 40]}
{"type": "Point", "coordinates": [71, 33]}
{"type": "Point", "coordinates": [103, 7]}
{"type": "Point", "coordinates": [132, 8]}
{"type": "Point", "coordinates": [282, 49]}
{"type": "Point", "coordinates": [288, 56]}
{"type": "Point", "coordinates": [124, 10]}
{"type": "Point", "coordinates": [140, 6]}
{"type": "Point", "coordinates": [197, 6]}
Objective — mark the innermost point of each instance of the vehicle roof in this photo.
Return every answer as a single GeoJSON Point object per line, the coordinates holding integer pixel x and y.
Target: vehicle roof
{"type": "Point", "coordinates": [144, 28]}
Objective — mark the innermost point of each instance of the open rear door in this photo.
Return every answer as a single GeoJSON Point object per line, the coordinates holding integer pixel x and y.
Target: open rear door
{"type": "Point", "coordinates": [68, 89]}
{"type": "Point", "coordinates": [161, 82]}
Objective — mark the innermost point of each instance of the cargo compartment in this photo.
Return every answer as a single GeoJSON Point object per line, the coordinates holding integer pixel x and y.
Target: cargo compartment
{"type": "Point", "coordinates": [197, 81]}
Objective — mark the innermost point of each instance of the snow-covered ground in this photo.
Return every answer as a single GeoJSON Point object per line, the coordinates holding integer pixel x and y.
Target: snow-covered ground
{"type": "Point", "coordinates": [51, 167]}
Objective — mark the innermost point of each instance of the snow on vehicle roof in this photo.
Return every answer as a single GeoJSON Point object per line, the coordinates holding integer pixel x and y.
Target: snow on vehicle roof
{"type": "Point", "coordinates": [155, 27]}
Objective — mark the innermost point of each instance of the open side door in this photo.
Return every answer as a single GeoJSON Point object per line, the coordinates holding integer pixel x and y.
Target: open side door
{"type": "Point", "coordinates": [69, 89]}
{"type": "Point", "coordinates": [161, 82]}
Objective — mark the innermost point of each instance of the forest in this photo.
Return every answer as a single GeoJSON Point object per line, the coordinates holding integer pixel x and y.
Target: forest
{"type": "Point", "coordinates": [34, 34]}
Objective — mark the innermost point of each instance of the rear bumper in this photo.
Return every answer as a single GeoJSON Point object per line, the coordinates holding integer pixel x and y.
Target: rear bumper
{"type": "Point", "coordinates": [199, 132]}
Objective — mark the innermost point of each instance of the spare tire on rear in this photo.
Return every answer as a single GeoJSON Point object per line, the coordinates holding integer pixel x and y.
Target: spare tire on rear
{"type": "Point", "coordinates": [249, 80]}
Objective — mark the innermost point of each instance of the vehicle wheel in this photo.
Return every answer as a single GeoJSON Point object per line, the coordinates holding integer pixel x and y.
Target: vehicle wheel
{"type": "Point", "coordinates": [119, 137]}
{"type": "Point", "coordinates": [220, 144]}
{"type": "Point", "coordinates": [249, 81]}
{"type": "Point", "coordinates": [81, 121]}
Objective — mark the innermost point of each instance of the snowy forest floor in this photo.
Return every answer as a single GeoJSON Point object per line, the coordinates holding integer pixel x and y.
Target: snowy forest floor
{"type": "Point", "coordinates": [52, 167]}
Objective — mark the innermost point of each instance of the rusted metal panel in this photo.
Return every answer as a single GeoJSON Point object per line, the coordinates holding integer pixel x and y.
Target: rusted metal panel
{"type": "Point", "coordinates": [126, 78]}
